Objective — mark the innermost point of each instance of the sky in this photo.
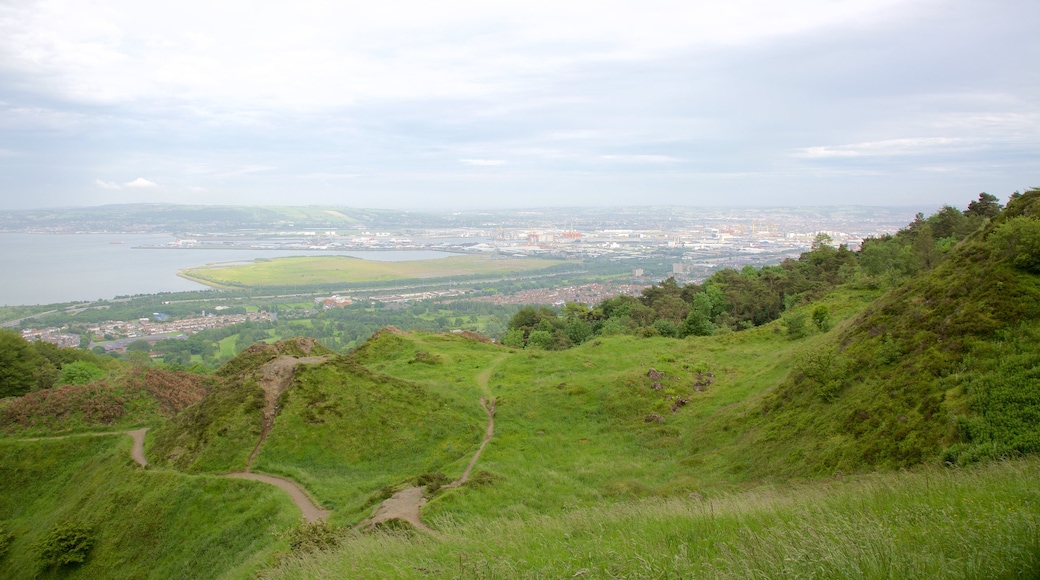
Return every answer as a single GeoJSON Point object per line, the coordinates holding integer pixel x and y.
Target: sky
{"type": "Point", "coordinates": [502, 104]}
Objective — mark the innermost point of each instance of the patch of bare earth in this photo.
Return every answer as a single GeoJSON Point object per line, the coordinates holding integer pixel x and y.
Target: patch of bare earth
{"type": "Point", "coordinates": [405, 504]}
{"type": "Point", "coordinates": [275, 377]}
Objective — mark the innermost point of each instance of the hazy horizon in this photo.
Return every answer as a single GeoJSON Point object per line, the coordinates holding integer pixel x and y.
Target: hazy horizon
{"type": "Point", "coordinates": [472, 105]}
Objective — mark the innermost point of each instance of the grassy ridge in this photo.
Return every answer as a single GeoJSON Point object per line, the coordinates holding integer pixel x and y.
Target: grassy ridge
{"type": "Point", "coordinates": [143, 523]}
{"type": "Point", "coordinates": [385, 431]}
{"type": "Point", "coordinates": [326, 270]}
{"type": "Point", "coordinates": [930, 523]}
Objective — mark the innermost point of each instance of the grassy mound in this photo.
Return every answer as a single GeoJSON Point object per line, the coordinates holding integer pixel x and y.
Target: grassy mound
{"type": "Point", "coordinates": [217, 434]}
{"type": "Point", "coordinates": [344, 432]}
{"type": "Point", "coordinates": [941, 367]}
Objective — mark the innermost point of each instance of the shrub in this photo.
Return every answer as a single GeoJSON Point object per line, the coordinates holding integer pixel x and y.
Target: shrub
{"type": "Point", "coordinates": [425, 357]}
{"type": "Point", "coordinates": [66, 544]}
{"type": "Point", "coordinates": [1018, 240]}
{"type": "Point", "coordinates": [307, 537]}
{"type": "Point", "coordinates": [795, 325]}
{"type": "Point", "coordinates": [540, 339]}
{"type": "Point", "coordinates": [5, 540]}
{"type": "Point", "coordinates": [80, 373]}
{"type": "Point", "coordinates": [821, 318]}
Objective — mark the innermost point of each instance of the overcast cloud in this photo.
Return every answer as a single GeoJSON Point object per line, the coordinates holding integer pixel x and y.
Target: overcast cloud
{"type": "Point", "coordinates": [507, 104]}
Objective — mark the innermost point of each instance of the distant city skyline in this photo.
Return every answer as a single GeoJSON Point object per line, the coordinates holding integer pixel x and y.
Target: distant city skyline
{"type": "Point", "coordinates": [476, 105]}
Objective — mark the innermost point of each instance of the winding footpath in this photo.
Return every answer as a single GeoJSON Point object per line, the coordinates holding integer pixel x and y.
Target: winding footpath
{"type": "Point", "coordinates": [276, 376]}
{"type": "Point", "coordinates": [405, 504]}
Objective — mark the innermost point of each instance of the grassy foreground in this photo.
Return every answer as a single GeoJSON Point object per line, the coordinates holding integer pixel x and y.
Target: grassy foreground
{"type": "Point", "coordinates": [140, 523]}
{"type": "Point", "coordinates": [325, 270]}
{"type": "Point", "coordinates": [979, 522]}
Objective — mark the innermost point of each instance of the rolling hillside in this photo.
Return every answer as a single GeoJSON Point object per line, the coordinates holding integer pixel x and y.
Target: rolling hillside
{"type": "Point", "coordinates": [893, 441]}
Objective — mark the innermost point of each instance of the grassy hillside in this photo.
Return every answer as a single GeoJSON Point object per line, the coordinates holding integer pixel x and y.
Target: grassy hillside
{"type": "Point", "coordinates": [217, 434]}
{"type": "Point", "coordinates": [845, 447]}
{"type": "Point", "coordinates": [138, 523]}
{"type": "Point", "coordinates": [328, 270]}
{"type": "Point", "coordinates": [929, 523]}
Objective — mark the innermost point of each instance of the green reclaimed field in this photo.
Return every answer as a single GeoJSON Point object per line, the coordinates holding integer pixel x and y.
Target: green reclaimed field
{"type": "Point", "coordinates": [329, 270]}
{"type": "Point", "coordinates": [142, 523]}
{"type": "Point", "coordinates": [933, 522]}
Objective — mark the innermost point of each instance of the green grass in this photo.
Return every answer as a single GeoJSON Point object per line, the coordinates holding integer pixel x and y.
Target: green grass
{"type": "Point", "coordinates": [328, 270]}
{"type": "Point", "coordinates": [386, 432]}
{"type": "Point", "coordinates": [145, 523]}
{"type": "Point", "coordinates": [930, 523]}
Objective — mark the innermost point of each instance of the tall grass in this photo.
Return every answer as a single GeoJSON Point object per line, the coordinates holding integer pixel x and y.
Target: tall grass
{"type": "Point", "coordinates": [143, 523]}
{"type": "Point", "coordinates": [977, 522]}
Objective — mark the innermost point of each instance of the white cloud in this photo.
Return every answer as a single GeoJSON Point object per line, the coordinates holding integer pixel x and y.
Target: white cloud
{"type": "Point", "coordinates": [141, 182]}
{"type": "Point", "coordinates": [107, 184]}
{"type": "Point", "coordinates": [655, 159]}
{"type": "Point", "coordinates": [331, 54]}
{"type": "Point", "coordinates": [888, 148]}
{"type": "Point", "coordinates": [482, 162]}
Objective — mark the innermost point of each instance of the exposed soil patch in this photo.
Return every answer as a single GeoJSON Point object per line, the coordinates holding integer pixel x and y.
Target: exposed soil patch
{"type": "Point", "coordinates": [275, 377]}
{"type": "Point", "coordinates": [405, 504]}
{"type": "Point", "coordinates": [137, 451]}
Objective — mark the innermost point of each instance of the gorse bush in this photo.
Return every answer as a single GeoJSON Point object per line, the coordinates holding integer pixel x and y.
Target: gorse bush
{"type": "Point", "coordinates": [66, 544]}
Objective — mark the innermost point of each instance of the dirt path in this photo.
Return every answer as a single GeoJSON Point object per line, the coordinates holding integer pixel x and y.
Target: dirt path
{"type": "Point", "coordinates": [137, 451]}
{"type": "Point", "coordinates": [490, 432]}
{"type": "Point", "coordinates": [311, 512]}
{"type": "Point", "coordinates": [405, 504]}
{"type": "Point", "coordinates": [275, 377]}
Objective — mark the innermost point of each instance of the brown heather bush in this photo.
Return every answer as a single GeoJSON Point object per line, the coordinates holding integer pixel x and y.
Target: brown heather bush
{"type": "Point", "coordinates": [174, 390]}
{"type": "Point", "coordinates": [97, 403]}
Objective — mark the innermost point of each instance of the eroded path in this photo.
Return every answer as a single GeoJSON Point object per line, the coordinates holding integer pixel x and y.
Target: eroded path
{"type": "Point", "coordinates": [311, 512]}
{"type": "Point", "coordinates": [405, 504]}
{"type": "Point", "coordinates": [275, 377]}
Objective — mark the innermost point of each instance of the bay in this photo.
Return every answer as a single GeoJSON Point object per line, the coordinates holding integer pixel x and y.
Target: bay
{"type": "Point", "coordinates": [50, 268]}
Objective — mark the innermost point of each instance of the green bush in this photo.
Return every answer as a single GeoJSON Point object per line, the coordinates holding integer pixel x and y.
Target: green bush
{"type": "Point", "coordinates": [1018, 240]}
{"type": "Point", "coordinates": [795, 325]}
{"type": "Point", "coordinates": [80, 373]}
{"type": "Point", "coordinates": [5, 540]}
{"type": "Point", "coordinates": [66, 544]}
{"type": "Point", "coordinates": [307, 537]}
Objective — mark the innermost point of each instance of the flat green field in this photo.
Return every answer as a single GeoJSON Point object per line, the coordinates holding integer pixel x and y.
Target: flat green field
{"type": "Point", "coordinates": [344, 270]}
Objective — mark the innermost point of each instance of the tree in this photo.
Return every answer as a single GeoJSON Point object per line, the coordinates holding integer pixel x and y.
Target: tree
{"type": "Point", "coordinates": [139, 345]}
{"type": "Point", "coordinates": [540, 339]}
{"type": "Point", "coordinates": [18, 361]}
{"type": "Point", "coordinates": [986, 206]}
{"type": "Point", "coordinates": [821, 318]}
{"type": "Point", "coordinates": [80, 373]}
